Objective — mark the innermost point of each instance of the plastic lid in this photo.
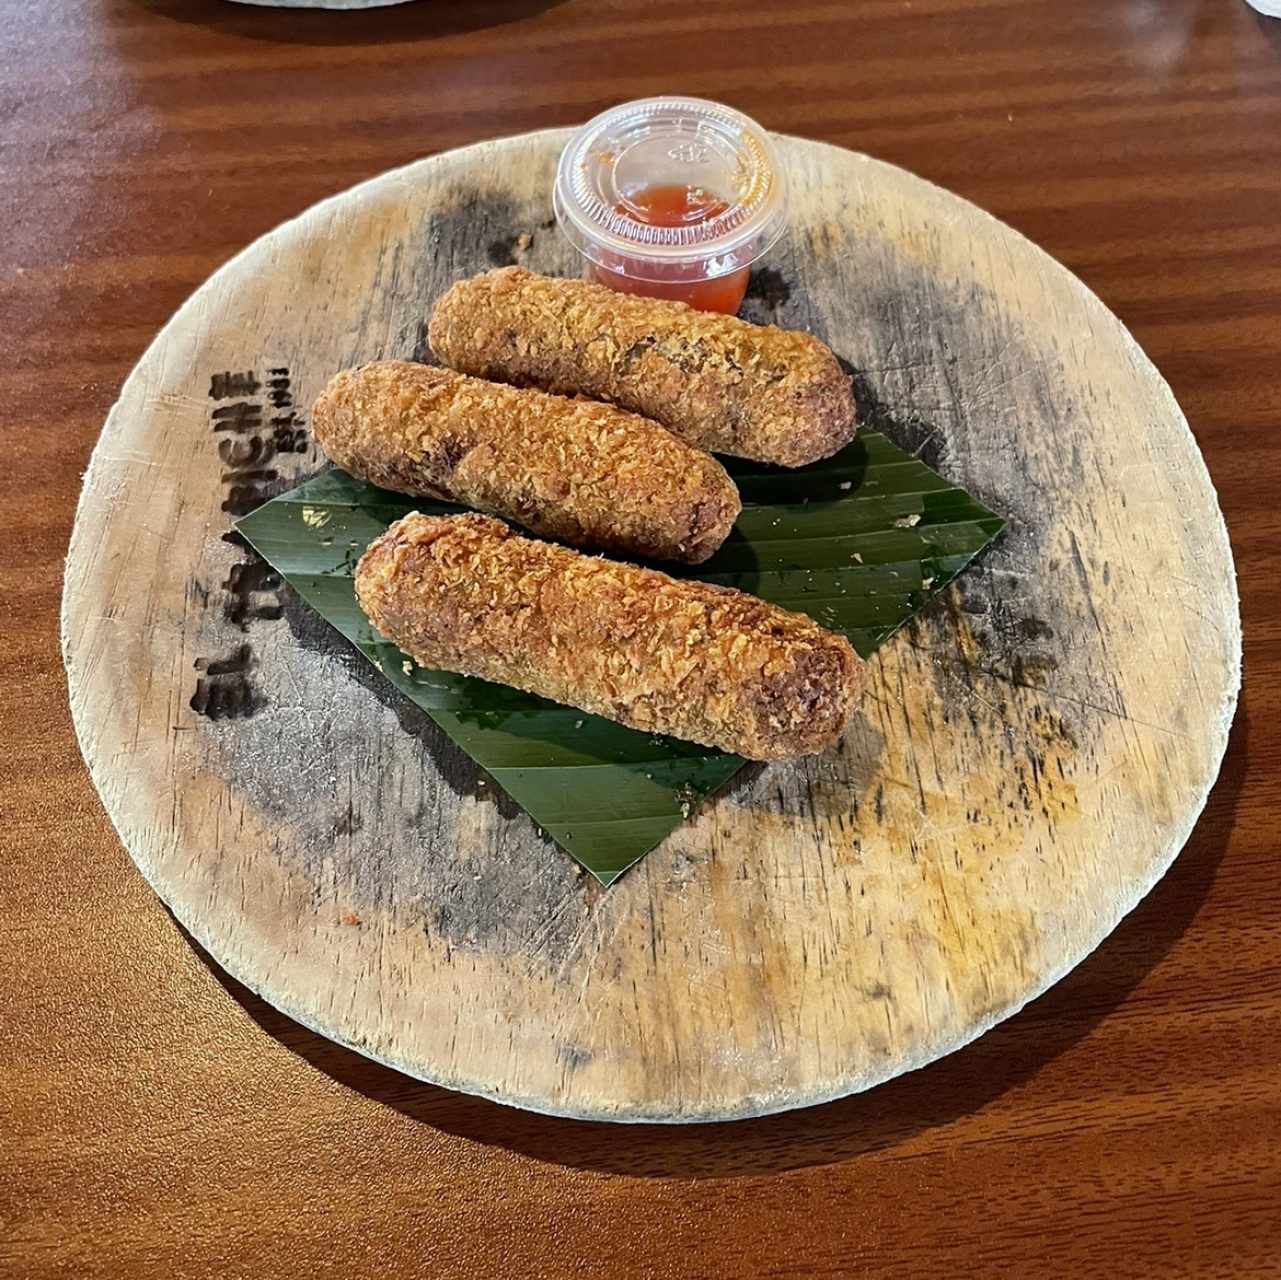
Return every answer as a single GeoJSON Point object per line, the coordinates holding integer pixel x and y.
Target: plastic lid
{"type": "Point", "coordinates": [724, 157]}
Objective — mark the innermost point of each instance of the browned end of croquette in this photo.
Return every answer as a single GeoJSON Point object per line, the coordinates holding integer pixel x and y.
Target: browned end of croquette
{"type": "Point", "coordinates": [665, 655]}
{"type": "Point", "coordinates": [575, 470]}
{"type": "Point", "coordinates": [808, 702]}
{"type": "Point", "coordinates": [720, 383]}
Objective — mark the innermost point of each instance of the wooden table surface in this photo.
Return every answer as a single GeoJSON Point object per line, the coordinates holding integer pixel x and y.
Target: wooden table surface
{"type": "Point", "coordinates": [157, 1120]}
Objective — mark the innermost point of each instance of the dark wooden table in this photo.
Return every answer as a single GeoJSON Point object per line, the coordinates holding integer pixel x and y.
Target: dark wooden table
{"type": "Point", "coordinates": [158, 1120]}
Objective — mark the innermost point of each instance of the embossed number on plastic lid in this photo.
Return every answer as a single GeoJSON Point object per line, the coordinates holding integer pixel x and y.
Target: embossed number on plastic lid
{"type": "Point", "coordinates": [718, 153]}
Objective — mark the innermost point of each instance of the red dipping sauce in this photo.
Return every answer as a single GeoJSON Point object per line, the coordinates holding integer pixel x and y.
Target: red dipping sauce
{"type": "Point", "coordinates": [677, 206]}
{"type": "Point", "coordinates": [671, 198]}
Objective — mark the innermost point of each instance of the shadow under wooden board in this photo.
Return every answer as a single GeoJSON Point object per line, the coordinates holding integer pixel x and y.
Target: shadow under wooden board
{"type": "Point", "coordinates": [1031, 753]}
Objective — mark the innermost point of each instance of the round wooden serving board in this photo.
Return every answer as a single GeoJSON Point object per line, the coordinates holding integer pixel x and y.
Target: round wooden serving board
{"type": "Point", "coordinates": [1030, 756]}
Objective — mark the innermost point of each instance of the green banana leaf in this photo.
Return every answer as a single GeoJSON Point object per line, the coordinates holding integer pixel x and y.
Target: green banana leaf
{"type": "Point", "coordinates": [860, 542]}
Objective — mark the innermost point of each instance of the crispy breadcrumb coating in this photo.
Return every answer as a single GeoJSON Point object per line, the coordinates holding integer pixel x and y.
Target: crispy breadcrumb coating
{"type": "Point", "coordinates": [716, 666]}
{"type": "Point", "coordinates": [756, 391]}
{"type": "Point", "coordinates": [582, 472]}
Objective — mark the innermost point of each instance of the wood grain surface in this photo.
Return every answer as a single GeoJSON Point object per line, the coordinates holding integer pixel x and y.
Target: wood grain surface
{"type": "Point", "coordinates": [1125, 1124]}
{"type": "Point", "coordinates": [1030, 753]}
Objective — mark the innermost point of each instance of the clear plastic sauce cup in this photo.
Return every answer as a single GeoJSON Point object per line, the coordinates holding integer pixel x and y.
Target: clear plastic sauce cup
{"type": "Point", "coordinates": [672, 198]}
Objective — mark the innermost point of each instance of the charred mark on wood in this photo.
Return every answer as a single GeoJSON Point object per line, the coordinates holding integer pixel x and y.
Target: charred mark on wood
{"type": "Point", "coordinates": [349, 823]}
{"type": "Point", "coordinates": [223, 688]}
{"type": "Point", "coordinates": [422, 352]}
{"type": "Point", "coordinates": [247, 584]}
{"type": "Point", "coordinates": [248, 442]}
{"type": "Point", "coordinates": [500, 252]}
{"type": "Point", "coordinates": [246, 445]}
{"type": "Point", "coordinates": [1031, 669]}
{"type": "Point", "coordinates": [509, 250]}
{"type": "Point", "coordinates": [249, 495]}
{"type": "Point", "coordinates": [289, 433]}
{"type": "Point", "coordinates": [574, 1056]}
{"type": "Point", "coordinates": [223, 386]}
{"type": "Point", "coordinates": [253, 452]}
{"type": "Point", "coordinates": [243, 417]}
{"type": "Point", "coordinates": [772, 298]}
{"type": "Point", "coordinates": [909, 430]}
{"type": "Point", "coordinates": [768, 286]}
{"type": "Point", "coordinates": [278, 389]}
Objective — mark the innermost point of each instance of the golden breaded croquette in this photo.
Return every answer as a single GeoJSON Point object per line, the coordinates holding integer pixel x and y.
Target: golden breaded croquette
{"type": "Point", "coordinates": [575, 470]}
{"type": "Point", "coordinates": [756, 391]}
{"type": "Point", "coordinates": [716, 666]}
